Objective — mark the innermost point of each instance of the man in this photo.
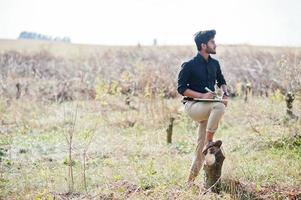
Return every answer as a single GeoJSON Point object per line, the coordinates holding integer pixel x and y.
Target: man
{"type": "Point", "coordinates": [197, 74]}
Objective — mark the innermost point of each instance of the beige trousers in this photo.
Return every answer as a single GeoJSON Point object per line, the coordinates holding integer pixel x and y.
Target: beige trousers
{"type": "Point", "coordinates": [208, 115]}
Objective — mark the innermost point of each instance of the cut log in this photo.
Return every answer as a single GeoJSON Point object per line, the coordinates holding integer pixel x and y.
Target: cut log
{"type": "Point", "coordinates": [169, 131]}
{"type": "Point", "coordinates": [289, 99]}
{"type": "Point", "coordinates": [214, 159]}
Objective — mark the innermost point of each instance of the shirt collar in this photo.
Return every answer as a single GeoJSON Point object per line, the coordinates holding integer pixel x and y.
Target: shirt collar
{"type": "Point", "coordinates": [200, 58]}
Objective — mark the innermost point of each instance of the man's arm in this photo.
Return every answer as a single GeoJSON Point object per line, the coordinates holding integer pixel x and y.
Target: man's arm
{"type": "Point", "coordinates": [183, 78]}
{"type": "Point", "coordinates": [194, 94]}
{"type": "Point", "coordinates": [225, 94]}
{"type": "Point", "coordinates": [221, 82]}
{"type": "Point", "coordinates": [224, 89]}
{"type": "Point", "coordinates": [183, 88]}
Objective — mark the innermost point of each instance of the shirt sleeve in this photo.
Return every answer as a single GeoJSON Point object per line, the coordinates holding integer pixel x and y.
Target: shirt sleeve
{"type": "Point", "coordinates": [219, 76]}
{"type": "Point", "coordinates": [183, 78]}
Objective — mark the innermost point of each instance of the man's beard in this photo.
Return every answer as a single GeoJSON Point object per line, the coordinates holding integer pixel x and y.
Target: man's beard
{"type": "Point", "coordinates": [210, 51]}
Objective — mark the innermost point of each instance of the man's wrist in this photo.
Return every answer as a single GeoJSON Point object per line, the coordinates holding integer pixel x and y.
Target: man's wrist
{"type": "Point", "coordinates": [226, 94]}
{"type": "Point", "coordinates": [200, 95]}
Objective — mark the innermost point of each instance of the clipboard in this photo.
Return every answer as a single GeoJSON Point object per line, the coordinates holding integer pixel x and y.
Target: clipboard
{"type": "Point", "coordinates": [209, 100]}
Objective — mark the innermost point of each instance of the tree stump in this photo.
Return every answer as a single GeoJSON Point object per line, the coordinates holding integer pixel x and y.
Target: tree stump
{"type": "Point", "coordinates": [248, 91]}
{"type": "Point", "coordinates": [289, 99]}
{"type": "Point", "coordinates": [214, 159]}
{"type": "Point", "coordinates": [169, 131]}
{"type": "Point", "coordinates": [18, 86]}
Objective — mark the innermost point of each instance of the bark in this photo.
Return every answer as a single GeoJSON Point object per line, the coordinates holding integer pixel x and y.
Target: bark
{"type": "Point", "coordinates": [213, 170]}
{"type": "Point", "coordinates": [169, 131]}
{"type": "Point", "coordinates": [289, 99]}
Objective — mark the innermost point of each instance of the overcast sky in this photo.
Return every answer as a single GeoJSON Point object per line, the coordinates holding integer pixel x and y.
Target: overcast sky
{"type": "Point", "coordinates": [128, 22]}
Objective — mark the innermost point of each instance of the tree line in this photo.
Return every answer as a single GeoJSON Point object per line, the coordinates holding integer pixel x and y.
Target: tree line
{"type": "Point", "coordinates": [38, 36]}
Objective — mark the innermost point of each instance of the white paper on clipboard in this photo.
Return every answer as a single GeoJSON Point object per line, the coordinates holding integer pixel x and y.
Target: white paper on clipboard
{"type": "Point", "coordinates": [208, 100]}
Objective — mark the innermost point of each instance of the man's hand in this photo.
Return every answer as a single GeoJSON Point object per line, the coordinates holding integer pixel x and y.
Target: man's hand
{"type": "Point", "coordinates": [208, 95]}
{"type": "Point", "coordinates": [226, 100]}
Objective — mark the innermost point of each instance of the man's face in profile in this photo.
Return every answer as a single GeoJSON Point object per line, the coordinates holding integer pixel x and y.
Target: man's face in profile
{"type": "Point", "coordinates": [210, 47]}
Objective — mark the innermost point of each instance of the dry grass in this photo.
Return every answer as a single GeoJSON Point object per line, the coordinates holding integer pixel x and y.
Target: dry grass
{"type": "Point", "coordinates": [69, 72]}
{"type": "Point", "coordinates": [134, 160]}
{"type": "Point", "coordinates": [119, 145]}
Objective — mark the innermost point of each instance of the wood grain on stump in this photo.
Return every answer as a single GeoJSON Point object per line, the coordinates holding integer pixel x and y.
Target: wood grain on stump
{"type": "Point", "coordinates": [214, 159]}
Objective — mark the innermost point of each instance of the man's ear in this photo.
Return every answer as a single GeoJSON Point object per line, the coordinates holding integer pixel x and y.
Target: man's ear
{"type": "Point", "coordinates": [203, 45]}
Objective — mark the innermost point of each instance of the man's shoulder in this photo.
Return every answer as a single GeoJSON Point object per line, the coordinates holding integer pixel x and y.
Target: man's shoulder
{"type": "Point", "coordinates": [189, 63]}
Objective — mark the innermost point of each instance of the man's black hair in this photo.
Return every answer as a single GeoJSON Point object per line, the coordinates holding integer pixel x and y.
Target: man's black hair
{"type": "Point", "coordinates": [203, 37]}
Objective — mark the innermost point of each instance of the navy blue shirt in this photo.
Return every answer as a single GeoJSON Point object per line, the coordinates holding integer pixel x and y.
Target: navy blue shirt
{"type": "Point", "coordinates": [197, 73]}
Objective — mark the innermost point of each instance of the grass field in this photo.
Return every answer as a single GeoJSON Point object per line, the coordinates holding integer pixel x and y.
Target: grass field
{"type": "Point", "coordinates": [115, 143]}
